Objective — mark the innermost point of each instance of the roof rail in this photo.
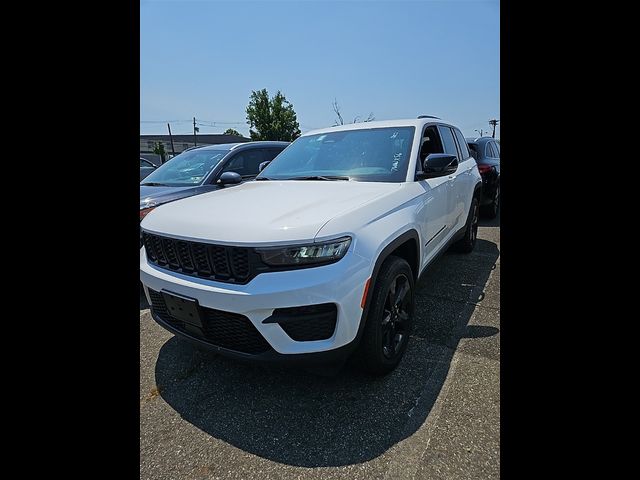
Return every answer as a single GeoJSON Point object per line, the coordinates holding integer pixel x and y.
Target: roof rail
{"type": "Point", "coordinates": [428, 116]}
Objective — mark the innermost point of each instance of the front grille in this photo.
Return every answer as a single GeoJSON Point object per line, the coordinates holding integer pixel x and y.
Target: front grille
{"type": "Point", "coordinates": [216, 262]}
{"type": "Point", "coordinates": [224, 329]}
{"type": "Point", "coordinates": [307, 323]}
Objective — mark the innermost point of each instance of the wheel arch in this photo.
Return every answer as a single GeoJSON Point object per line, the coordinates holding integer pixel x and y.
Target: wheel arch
{"type": "Point", "coordinates": [407, 245]}
{"type": "Point", "coordinates": [477, 190]}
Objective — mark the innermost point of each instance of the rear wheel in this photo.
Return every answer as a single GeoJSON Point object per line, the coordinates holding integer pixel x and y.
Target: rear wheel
{"type": "Point", "coordinates": [390, 318]}
{"type": "Point", "coordinates": [468, 242]}
{"type": "Point", "coordinates": [491, 210]}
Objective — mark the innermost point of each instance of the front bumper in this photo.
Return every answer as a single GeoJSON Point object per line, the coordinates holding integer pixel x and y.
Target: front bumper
{"type": "Point", "coordinates": [336, 355]}
{"type": "Point", "coordinates": [341, 283]}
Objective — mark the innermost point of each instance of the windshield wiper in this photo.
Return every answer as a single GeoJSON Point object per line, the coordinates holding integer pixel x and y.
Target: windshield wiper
{"type": "Point", "coordinates": [154, 184]}
{"type": "Point", "coordinates": [319, 177]}
{"type": "Point", "coordinates": [262, 178]}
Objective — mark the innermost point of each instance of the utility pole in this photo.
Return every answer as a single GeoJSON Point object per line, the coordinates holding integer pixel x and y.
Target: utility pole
{"type": "Point", "coordinates": [173, 150]}
{"type": "Point", "coordinates": [195, 129]}
{"type": "Point", "coordinates": [479, 131]}
{"type": "Point", "coordinates": [493, 123]}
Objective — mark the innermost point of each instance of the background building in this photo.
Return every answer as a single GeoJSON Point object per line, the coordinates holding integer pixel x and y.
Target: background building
{"type": "Point", "coordinates": [181, 143]}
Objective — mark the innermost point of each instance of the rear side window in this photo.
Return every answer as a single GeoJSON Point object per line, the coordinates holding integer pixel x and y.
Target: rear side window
{"type": "Point", "coordinates": [245, 163]}
{"type": "Point", "coordinates": [464, 150]}
{"type": "Point", "coordinates": [448, 142]}
{"type": "Point", "coordinates": [490, 152]}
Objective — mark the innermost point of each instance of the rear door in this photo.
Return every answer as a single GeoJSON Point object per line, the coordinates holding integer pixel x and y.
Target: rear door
{"type": "Point", "coordinates": [454, 208]}
{"type": "Point", "coordinates": [464, 182]}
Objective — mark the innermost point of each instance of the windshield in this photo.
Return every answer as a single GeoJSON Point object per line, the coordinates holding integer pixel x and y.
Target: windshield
{"type": "Point", "coordinates": [188, 168]}
{"type": "Point", "coordinates": [372, 155]}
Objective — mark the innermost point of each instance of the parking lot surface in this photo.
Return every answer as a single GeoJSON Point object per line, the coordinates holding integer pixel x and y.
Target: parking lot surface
{"type": "Point", "coordinates": [437, 416]}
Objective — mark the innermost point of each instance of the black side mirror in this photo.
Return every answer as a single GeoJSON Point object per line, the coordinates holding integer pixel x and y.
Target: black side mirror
{"type": "Point", "coordinates": [438, 165]}
{"type": "Point", "coordinates": [263, 165]}
{"type": "Point", "coordinates": [229, 178]}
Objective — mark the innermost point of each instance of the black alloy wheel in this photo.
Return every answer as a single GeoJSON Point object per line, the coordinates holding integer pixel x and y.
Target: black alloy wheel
{"type": "Point", "coordinates": [389, 319]}
{"type": "Point", "coordinates": [395, 316]}
{"type": "Point", "coordinates": [467, 243]}
{"type": "Point", "coordinates": [491, 210]}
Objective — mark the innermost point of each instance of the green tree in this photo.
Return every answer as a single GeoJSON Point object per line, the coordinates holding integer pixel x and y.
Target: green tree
{"type": "Point", "coordinates": [232, 131]}
{"type": "Point", "coordinates": [271, 118]}
{"type": "Point", "coordinates": [158, 149]}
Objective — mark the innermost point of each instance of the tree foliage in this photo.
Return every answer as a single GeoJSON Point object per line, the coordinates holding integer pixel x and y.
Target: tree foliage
{"type": "Point", "coordinates": [232, 131]}
{"type": "Point", "coordinates": [271, 118]}
{"type": "Point", "coordinates": [158, 149]}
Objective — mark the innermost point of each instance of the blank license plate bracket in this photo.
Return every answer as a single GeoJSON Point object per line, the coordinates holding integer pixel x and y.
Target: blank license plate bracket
{"type": "Point", "coordinates": [183, 308]}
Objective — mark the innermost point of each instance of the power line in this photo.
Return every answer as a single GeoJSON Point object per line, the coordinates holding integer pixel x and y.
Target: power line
{"type": "Point", "coordinates": [208, 123]}
{"type": "Point", "coordinates": [165, 121]}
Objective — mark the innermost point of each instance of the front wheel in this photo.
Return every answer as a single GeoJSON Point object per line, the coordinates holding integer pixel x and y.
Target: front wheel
{"type": "Point", "coordinates": [390, 318]}
{"type": "Point", "coordinates": [468, 242]}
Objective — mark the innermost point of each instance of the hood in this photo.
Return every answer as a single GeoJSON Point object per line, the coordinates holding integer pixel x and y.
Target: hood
{"type": "Point", "coordinates": [263, 212]}
{"type": "Point", "coordinates": [150, 196]}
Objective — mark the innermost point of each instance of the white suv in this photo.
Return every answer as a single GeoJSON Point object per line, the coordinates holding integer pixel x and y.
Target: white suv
{"type": "Point", "coordinates": [318, 257]}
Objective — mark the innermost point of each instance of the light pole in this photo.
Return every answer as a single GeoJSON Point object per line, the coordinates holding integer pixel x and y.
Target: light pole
{"type": "Point", "coordinates": [479, 131]}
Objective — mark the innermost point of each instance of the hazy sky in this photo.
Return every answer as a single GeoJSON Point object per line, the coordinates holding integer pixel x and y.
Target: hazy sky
{"type": "Point", "coordinates": [397, 59]}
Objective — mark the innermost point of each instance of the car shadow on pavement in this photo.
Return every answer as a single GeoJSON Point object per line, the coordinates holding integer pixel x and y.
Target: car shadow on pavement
{"type": "Point", "coordinates": [303, 419]}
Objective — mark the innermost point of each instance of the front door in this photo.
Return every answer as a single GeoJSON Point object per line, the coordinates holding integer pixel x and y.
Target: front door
{"type": "Point", "coordinates": [434, 202]}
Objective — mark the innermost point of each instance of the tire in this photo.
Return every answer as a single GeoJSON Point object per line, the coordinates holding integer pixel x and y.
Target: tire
{"type": "Point", "coordinates": [387, 329]}
{"type": "Point", "coordinates": [468, 242]}
{"type": "Point", "coordinates": [491, 210]}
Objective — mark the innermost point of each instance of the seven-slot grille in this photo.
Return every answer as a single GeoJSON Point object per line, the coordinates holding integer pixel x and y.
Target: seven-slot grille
{"type": "Point", "coordinates": [224, 329]}
{"type": "Point", "coordinates": [216, 262]}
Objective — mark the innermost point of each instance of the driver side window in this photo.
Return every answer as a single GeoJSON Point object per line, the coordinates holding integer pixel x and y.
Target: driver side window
{"type": "Point", "coordinates": [245, 163]}
{"type": "Point", "coordinates": [431, 143]}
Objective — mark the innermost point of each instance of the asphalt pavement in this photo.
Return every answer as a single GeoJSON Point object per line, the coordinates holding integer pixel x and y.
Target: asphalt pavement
{"type": "Point", "coordinates": [437, 416]}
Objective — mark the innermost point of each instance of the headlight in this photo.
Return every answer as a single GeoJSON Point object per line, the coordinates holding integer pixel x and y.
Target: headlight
{"type": "Point", "coordinates": [325, 252]}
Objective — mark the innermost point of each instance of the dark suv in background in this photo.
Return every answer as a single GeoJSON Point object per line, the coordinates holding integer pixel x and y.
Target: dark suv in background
{"type": "Point", "coordinates": [486, 151]}
{"type": "Point", "coordinates": [146, 167]}
{"type": "Point", "coordinates": [204, 169]}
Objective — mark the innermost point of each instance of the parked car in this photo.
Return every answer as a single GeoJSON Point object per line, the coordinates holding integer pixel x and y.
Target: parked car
{"type": "Point", "coordinates": [486, 151]}
{"type": "Point", "coordinates": [146, 167]}
{"type": "Point", "coordinates": [204, 169]}
{"type": "Point", "coordinates": [319, 256]}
